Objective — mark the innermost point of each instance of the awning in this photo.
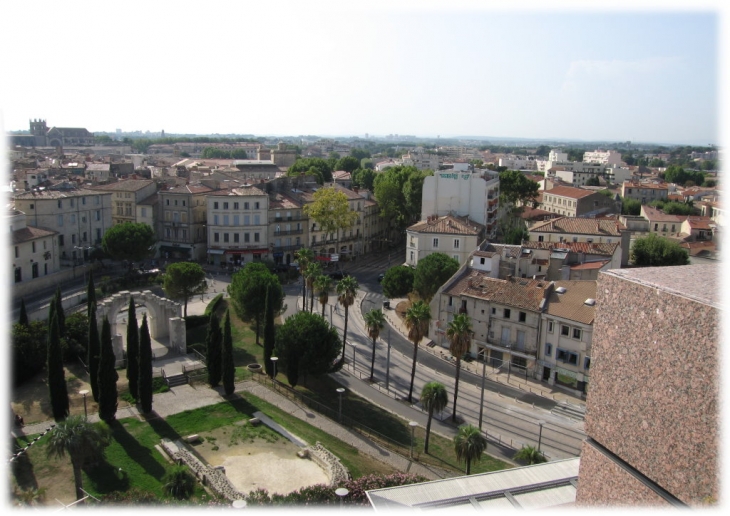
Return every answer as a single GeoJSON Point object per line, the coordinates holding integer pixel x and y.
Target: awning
{"type": "Point", "coordinates": [215, 251]}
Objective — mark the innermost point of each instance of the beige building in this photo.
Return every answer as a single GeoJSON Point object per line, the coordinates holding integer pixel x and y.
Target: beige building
{"type": "Point", "coordinates": [288, 228]}
{"type": "Point", "coordinates": [125, 196]}
{"type": "Point", "coordinates": [34, 250]}
{"type": "Point", "coordinates": [183, 212]}
{"type": "Point", "coordinates": [577, 202]}
{"type": "Point", "coordinates": [80, 217]}
{"type": "Point", "coordinates": [644, 192]}
{"type": "Point", "coordinates": [457, 237]}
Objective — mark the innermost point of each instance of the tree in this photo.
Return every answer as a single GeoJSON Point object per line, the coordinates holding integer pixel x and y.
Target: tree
{"type": "Point", "coordinates": [23, 317]}
{"type": "Point", "coordinates": [515, 187]}
{"type": "Point", "coordinates": [413, 193]}
{"type": "Point", "coordinates": [306, 345]}
{"type": "Point", "coordinates": [434, 399]}
{"type": "Point", "coordinates": [398, 281]}
{"type": "Point", "coordinates": [145, 368]}
{"type": "Point", "coordinates": [417, 318]}
{"type": "Point", "coordinates": [60, 313]}
{"type": "Point", "coordinates": [92, 353]}
{"type": "Point", "coordinates": [516, 235]}
{"type": "Point", "coordinates": [374, 322]}
{"type": "Point", "coordinates": [314, 270]}
{"type": "Point", "coordinates": [90, 295]}
{"type": "Point", "coordinates": [389, 188]}
{"type": "Point", "coordinates": [129, 241]}
{"type": "Point", "coordinates": [269, 333]}
{"type": "Point", "coordinates": [229, 368]}
{"type": "Point", "coordinates": [305, 256]}
{"type": "Point", "coordinates": [56, 376]}
{"type": "Point", "coordinates": [458, 333]}
{"type": "Point", "coordinates": [530, 455]}
{"type": "Point", "coordinates": [656, 251]}
{"type": "Point", "coordinates": [346, 293]}
{"type": "Point", "coordinates": [183, 280]}
{"type": "Point", "coordinates": [363, 178]}
{"type": "Point", "coordinates": [82, 441]}
{"type": "Point", "coordinates": [179, 482]}
{"type": "Point", "coordinates": [593, 181]}
{"type": "Point", "coordinates": [30, 350]}
{"type": "Point", "coordinates": [348, 164]}
{"type": "Point", "coordinates": [132, 349]}
{"type": "Point", "coordinates": [631, 207]}
{"type": "Point", "coordinates": [77, 335]}
{"type": "Point", "coordinates": [312, 166]}
{"type": "Point", "coordinates": [432, 272]}
{"type": "Point", "coordinates": [214, 350]}
{"type": "Point", "coordinates": [323, 284]}
{"type": "Point", "coordinates": [107, 375]}
{"type": "Point", "coordinates": [248, 288]}
{"type": "Point", "coordinates": [469, 445]}
{"type": "Point", "coordinates": [330, 209]}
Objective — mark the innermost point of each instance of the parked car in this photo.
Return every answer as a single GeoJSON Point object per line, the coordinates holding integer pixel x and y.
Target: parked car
{"type": "Point", "coordinates": [381, 276]}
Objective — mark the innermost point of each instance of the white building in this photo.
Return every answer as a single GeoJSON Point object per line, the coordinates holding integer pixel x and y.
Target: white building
{"type": "Point", "coordinates": [455, 237]}
{"type": "Point", "coordinates": [463, 194]}
{"type": "Point", "coordinates": [35, 250]}
{"type": "Point", "coordinates": [516, 163]}
{"type": "Point", "coordinates": [610, 157]}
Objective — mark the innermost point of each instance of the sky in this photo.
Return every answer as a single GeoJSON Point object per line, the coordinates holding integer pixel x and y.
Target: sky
{"type": "Point", "coordinates": [618, 72]}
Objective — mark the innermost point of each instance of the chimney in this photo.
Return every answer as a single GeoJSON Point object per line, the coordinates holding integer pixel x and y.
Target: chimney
{"type": "Point", "coordinates": [509, 277]}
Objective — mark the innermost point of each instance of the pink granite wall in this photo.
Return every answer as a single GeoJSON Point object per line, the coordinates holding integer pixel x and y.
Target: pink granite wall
{"type": "Point", "coordinates": [654, 391]}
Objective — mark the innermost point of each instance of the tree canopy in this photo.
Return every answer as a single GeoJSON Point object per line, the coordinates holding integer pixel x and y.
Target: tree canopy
{"type": "Point", "coordinates": [331, 210]}
{"type": "Point", "coordinates": [318, 167]}
{"type": "Point", "coordinates": [363, 178]}
{"type": "Point", "coordinates": [129, 241]}
{"type": "Point", "coordinates": [183, 280]}
{"type": "Point", "coordinates": [398, 281]}
{"type": "Point", "coordinates": [306, 344]}
{"type": "Point", "coordinates": [248, 292]}
{"type": "Point", "coordinates": [432, 272]}
{"type": "Point", "coordinates": [515, 187]}
{"type": "Point", "coordinates": [348, 164]}
{"type": "Point", "coordinates": [398, 192]}
{"type": "Point", "coordinates": [656, 251]}
{"type": "Point", "coordinates": [680, 176]}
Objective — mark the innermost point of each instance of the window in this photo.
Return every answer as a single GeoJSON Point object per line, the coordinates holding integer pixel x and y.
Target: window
{"type": "Point", "coordinates": [412, 257]}
{"type": "Point", "coordinates": [167, 202]}
{"type": "Point", "coordinates": [215, 205]}
{"type": "Point", "coordinates": [235, 205]}
{"type": "Point", "coordinates": [17, 252]}
{"type": "Point", "coordinates": [451, 299]}
{"type": "Point", "coordinates": [183, 203]}
{"type": "Point", "coordinates": [576, 333]}
{"type": "Point", "coordinates": [245, 206]}
{"type": "Point", "coordinates": [587, 363]}
{"type": "Point", "coordinates": [33, 246]}
{"type": "Point", "coordinates": [457, 242]}
{"type": "Point", "coordinates": [455, 257]}
{"type": "Point", "coordinates": [548, 349]}
{"type": "Point", "coordinates": [550, 326]}
{"type": "Point", "coordinates": [507, 313]}
{"type": "Point", "coordinates": [523, 316]}
{"type": "Point", "coordinates": [225, 220]}
{"type": "Point", "coordinates": [216, 237]}
{"type": "Point", "coordinates": [435, 243]}
{"type": "Point", "coordinates": [246, 237]}
{"type": "Point", "coordinates": [73, 238]}
{"type": "Point", "coordinates": [567, 357]}
{"type": "Point", "coordinates": [256, 237]}
{"type": "Point", "coordinates": [83, 200]}
{"type": "Point", "coordinates": [215, 220]}
{"type": "Point", "coordinates": [144, 212]}
{"type": "Point", "coordinates": [481, 261]}
{"type": "Point", "coordinates": [236, 220]}
{"type": "Point", "coordinates": [564, 330]}
{"type": "Point", "coordinates": [494, 311]}
{"type": "Point", "coordinates": [225, 237]}
{"type": "Point", "coordinates": [225, 205]}
{"type": "Point", "coordinates": [540, 238]}
{"type": "Point", "coordinates": [175, 202]}
{"type": "Point", "coordinates": [257, 219]}
{"type": "Point", "coordinates": [256, 206]}
{"type": "Point", "coordinates": [167, 232]}
{"type": "Point", "coordinates": [246, 220]}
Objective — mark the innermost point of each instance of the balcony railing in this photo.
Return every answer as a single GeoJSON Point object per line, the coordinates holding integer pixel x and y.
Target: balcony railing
{"type": "Point", "coordinates": [513, 346]}
{"type": "Point", "coordinates": [289, 232]}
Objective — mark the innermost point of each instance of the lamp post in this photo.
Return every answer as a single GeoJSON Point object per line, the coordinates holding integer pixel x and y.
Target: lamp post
{"type": "Point", "coordinates": [539, 438]}
{"type": "Point", "coordinates": [84, 393]}
{"type": "Point", "coordinates": [273, 361]}
{"type": "Point", "coordinates": [354, 358]}
{"type": "Point", "coordinates": [387, 365]}
{"type": "Point", "coordinates": [342, 493]}
{"type": "Point", "coordinates": [484, 375]}
{"type": "Point", "coordinates": [340, 390]}
{"type": "Point", "coordinates": [413, 426]}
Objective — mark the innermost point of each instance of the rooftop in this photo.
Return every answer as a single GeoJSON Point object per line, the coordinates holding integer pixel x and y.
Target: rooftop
{"type": "Point", "coordinates": [581, 226]}
{"type": "Point", "coordinates": [517, 292]}
{"type": "Point", "coordinates": [447, 225]}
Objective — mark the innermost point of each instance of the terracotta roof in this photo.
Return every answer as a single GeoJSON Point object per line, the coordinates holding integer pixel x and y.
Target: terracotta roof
{"type": "Point", "coordinates": [281, 201]}
{"type": "Point", "coordinates": [518, 292]}
{"type": "Point", "coordinates": [447, 225]}
{"type": "Point", "coordinates": [575, 247]}
{"type": "Point", "coordinates": [700, 222]}
{"type": "Point", "coordinates": [128, 185]}
{"type": "Point", "coordinates": [588, 266]}
{"type": "Point", "coordinates": [580, 226]}
{"type": "Point", "coordinates": [571, 305]}
{"type": "Point", "coordinates": [568, 191]}
{"type": "Point", "coordinates": [29, 233]}
{"type": "Point", "coordinates": [653, 214]}
{"type": "Point", "coordinates": [150, 200]}
{"type": "Point", "coordinates": [248, 191]}
{"type": "Point", "coordinates": [57, 194]}
{"type": "Point", "coordinates": [654, 186]}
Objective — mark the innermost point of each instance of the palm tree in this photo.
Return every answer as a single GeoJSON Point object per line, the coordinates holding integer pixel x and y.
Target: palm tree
{"type": "Point", "coordinates": [374, 322]}
{"type": "Point", "coordinates": [346, 292]}
{"type": "Point", "coordinates": [469, 445]}
{"type": "Point", "coordinates": [459, 334]}
{"type": "Point", "coordinates": [314, 271]}
{"type": "Point", "coordinates": [433, 398]}
{"type": "Point", "coordinates": [180, 483]}
{"type": "Point", "coordinates": [304, 256]}
{"type": "Point", "coordinates": [323, 284]}
{"type": "Point", "coordinates": [417, 319]}
{"type": "Point", "coordinates": [530, 454]}
{"type": "Point", "coordinates": [82, 441]}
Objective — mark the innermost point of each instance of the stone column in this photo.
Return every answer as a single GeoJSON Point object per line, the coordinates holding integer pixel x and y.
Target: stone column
{"type": "Point", "coordinates": [118, 347]}
{"type": "Point", "coordinates": [177, 335]}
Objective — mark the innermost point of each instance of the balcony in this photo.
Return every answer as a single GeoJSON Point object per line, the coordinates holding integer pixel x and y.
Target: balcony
{"type": "Point", "coordinates": [290, 232]}
{"type": "Point", "coordinates": [513, 346]}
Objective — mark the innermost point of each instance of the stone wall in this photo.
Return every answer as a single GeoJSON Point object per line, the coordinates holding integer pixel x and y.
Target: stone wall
{"type": "Point", "coordinates": [331, 465]}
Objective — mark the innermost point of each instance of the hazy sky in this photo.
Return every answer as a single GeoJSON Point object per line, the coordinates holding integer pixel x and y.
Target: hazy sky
{"type": "Point", "coordinates": [285, 68]}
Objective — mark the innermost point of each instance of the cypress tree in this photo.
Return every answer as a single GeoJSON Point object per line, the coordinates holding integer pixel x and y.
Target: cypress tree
{"type": "Point", "coordinates": [92, 357]}
{"type": "Point", "coordinates": [56, 376]}
{"type": "Point", "coordinates": [229, 370]}
{"type": "Point", "coordinates": [144, 390]}
{"type": "Point", "coordinates": [107, 375]}
{"type": "Point", "coordinates": [23, 319]}
{"type": "Point", "coordinates": [132, 349]}
{"type": "Point", "coordinates": [213, 343]}
{"type": "Point", "coordinates": [90, 295]}
{"type": "Point", "coordinates": [60, 313]}
{"type": "Point", "coordinates": [269, 333]}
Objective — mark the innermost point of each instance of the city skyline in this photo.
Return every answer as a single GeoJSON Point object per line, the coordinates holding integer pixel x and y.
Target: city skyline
{"type": "Point", "coordinates": [526, 72]}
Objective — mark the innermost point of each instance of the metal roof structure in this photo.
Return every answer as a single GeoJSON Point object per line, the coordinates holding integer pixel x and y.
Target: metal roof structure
{"type": "Point", "coordinates": [539, 486]}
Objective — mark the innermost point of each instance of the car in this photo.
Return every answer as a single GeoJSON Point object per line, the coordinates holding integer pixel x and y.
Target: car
{"type": "Point", "coordinates": [338, 275]}
{"type": "Point", "coordinates": [381, 276]}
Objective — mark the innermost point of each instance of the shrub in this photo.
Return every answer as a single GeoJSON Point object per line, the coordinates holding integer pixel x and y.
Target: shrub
{"type": "Point", "coordinates": [213, 305]}
{"type": "Point", "coordinates": [179, 482]}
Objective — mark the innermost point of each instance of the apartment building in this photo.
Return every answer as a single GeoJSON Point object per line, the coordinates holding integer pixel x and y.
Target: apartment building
{"type": "Point", "coordinates": [183, 213]}
{"type": "Point", "coordinates": [34, 250]}
{"type": "Point", "coordinates": [577, 202]}
{"type": "Point", "coordinates": [288, 227]}
{"type": "Point", "coordinates": [610, 157]}
{"type": "Point", "coordinates": [453, 236]}
{"type": "Point", "coordinates": [238, 226]}
{"type": "Point", "coordinates": [80, 217]}
{"type": "Point", "coordinates": [422, 160]}
{"type": "Point", "coordinates": [644, 192]}
{"type": "Point", "coordinates": [125, 197]}
{"type": "Point", "coordinates": [566, 334]}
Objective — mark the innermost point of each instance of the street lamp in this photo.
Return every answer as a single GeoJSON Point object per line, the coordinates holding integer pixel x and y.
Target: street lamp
{"type": "Point", "coordinates": [413, 426]}
{"type": "Point", "coordinates": [340, 390]}
{"type": "Point", "coordinates": [387, 364]}
{"type": "Point", "coordinates": [273, 361]}
{"type": "Point", "coordinates": [342, 493]}
{"type": "Point", "coordinates": [354, 345]}
{"type": "Point", "coordinates": [539, 438]}
{"type": "Point", "coordinates": [84, 393]}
